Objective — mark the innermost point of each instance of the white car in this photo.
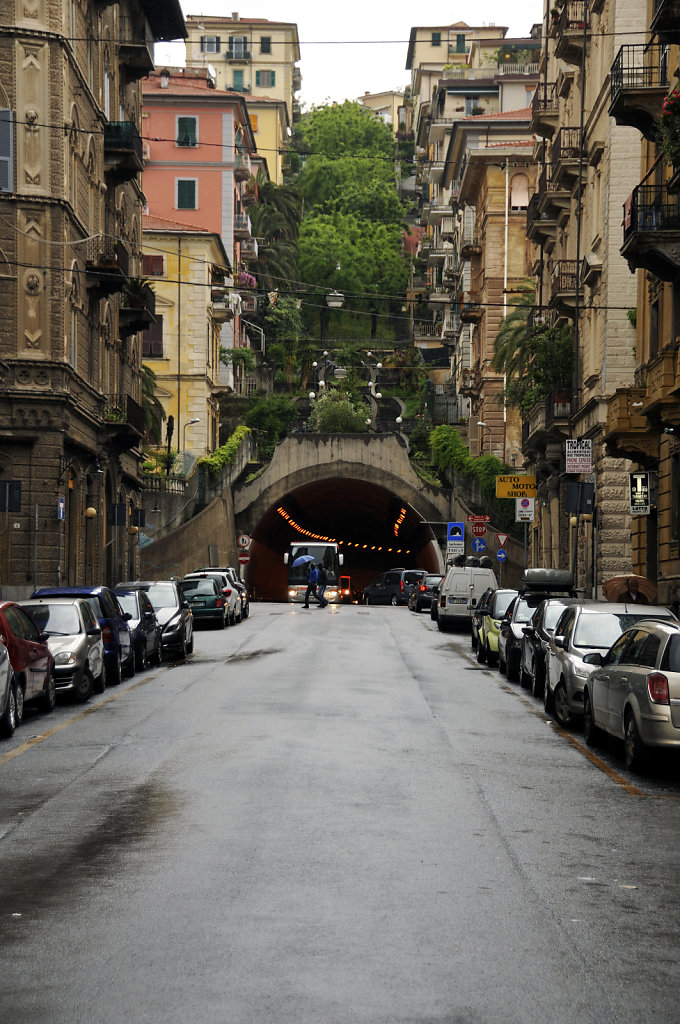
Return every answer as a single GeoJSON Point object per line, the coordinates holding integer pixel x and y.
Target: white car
{"type": "Point", "coordinates": [231, 594]}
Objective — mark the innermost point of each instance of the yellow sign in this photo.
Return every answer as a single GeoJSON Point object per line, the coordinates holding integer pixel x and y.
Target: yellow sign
{"type": "Point", "coordinates": [519, 486]}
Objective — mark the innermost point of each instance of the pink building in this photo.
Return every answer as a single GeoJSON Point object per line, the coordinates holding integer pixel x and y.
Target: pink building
{"type": "Point", "coordinates": [198, 148]}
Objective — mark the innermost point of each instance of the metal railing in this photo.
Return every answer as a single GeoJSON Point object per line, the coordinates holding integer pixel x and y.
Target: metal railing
{"type": "Point", "coordinates": [651, 208]}
{"type": "Point", "coordinates": [122, 135]}
{"type": "Point", "coordinates": [567, 145]}
{"type": "Point", "coordinates": [639, 66]}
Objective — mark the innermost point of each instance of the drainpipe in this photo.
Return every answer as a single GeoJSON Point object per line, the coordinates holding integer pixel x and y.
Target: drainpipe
{"type": "Point", "coordinates": [179, 334]}
{"type": "Point", "coordinates": [505, 299]}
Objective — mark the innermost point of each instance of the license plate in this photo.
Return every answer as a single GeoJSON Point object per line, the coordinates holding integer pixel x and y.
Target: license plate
{"type": "Point", "coordinates": [198, 604]}
{"type": "Point", "coordinates": [457, 600]}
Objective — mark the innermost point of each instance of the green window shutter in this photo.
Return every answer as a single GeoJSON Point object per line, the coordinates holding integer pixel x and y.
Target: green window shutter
{"type": "Point", "coordinates": [460, 44]}
{"type": "Point", "coordinates": [436, 39]}
{"type": "Point", "coordinates": [186, 194]}
{"type": "Point", "coordinates": [186, 131]}
{"type": "Point", "coordinates": [238, 79]}
{"type": "Point", "coordinates": [257, 79]}
{"type": "Point", "coordinates": [273, 78]}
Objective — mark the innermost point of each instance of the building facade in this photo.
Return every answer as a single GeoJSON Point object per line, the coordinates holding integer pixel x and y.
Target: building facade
{"type": "Point", "coordinates": [71, 418]}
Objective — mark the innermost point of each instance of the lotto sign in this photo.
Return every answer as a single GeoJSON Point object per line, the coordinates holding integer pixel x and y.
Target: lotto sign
{"type": "Point", "coordinates": [640, 498]}
{"type": "Point", "coordinates": [520, 486]}
{"type": "Point", "coordinates": [478, 529]}
{"type": "Point", "coordinates": [579, 455]}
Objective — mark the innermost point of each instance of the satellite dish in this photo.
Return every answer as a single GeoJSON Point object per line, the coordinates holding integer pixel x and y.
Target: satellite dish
{"type": "Point", "coordinates": [212, 74]}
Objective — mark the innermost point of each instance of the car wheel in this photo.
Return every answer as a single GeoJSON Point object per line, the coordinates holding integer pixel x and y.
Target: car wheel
{"type": "Point", "coordinates": [224, 622]}
{"type": "Point", "coordinates": [115, 674]}
{"type": "Point", "coordinates": [634, 751]}
{"type": "Point", "coordinates": [156, 657]}
{"type": "Point", "coordinates": [560, 706]}
{"type": "Point", "coordinates": [19, 702]}
{"type": "Point", "coordinates": [481, 652]}
{"type": "Point", "coordinates": [537, 681]}
{"type": "Point", "coordinates": [473, 640]}
{"type": "Point", "coordinates": [491, 656]}
{"type": "Point", "coordinates": [100, 681]}
{"type": "Point", "coordinates": [49, 697]}
{"type": "Point", "coordinates": [85, 687]}
{"type": "Point", "coordinates": [433, 613]}
{"type": "Point", "coordinates": [590, 731]}
{"type": "Point", "coordinates": [502, 664]}
{"type": "Point", "coordinates": [547, 696]}
{"type": "Point", "coordinates": [246, 610]}
{"type": "Point", "coordinates": [512, 670]}
{"type": "Point", "coordinates": [190, 645]}
{"type": "Point", "coordinates": [394, 601]}
{"type": "Point", "coordinates": [130, 670]}
{"type": "Point", "coordinates": [141, 661]}
{"type": "Point", "coordinates": [524, 677]}
{"type": "Point", "coordinates": [8, 722]}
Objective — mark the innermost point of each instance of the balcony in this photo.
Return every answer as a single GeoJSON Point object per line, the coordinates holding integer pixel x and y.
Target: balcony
{"type": "Point", "coordinates": [137, 309]}
{"type": "Point", "coordinates": [124, 421]}
{"type": "Point", "coordinates": [438, 128]}
{"type": "Point", "coordinates": [666, 21]}
{"type": "Point", "coordinates": [471, 382]}
{"type": "Point", "coordinates": [470, 308]}
{"type": "Point", "coordinates": [123, 151]}
{"type": "Point", "coordinates": [249, 249]}
{"type": "Point", "coordinates": [221, 307]}
{"type": "Point", "coordinates": [136, 49]}
{"type": "Point", "coordinates": [571, 31]}
{"type": "Point", "coordinates": [438, 253]}
{"type": "Point", "coordinates": [651, 231]}
{"type": "Point", "coordinates": [638, 85]}
{"type": "Point", "coordinates": [544, 110]}
{"type": "Point", "coordinates": [554, 201]}
{"type": "Point", "coordinates": [242, 227]}
{"type": "Point", "coordinates": [566, 157]}
{"type": "Point", "coordinates": [435, 171]}
{"type": "Point", "coordinates": [107, 265]}
{"type": "Point", "coordinates": [660, 402]}
{"type": "Point", "coordinates": [547, 422]}
{"type": "Point", "coordinates": [541, 227]}
{"type": "Point", "coordinates": [238, 55]}
{"type": "Point", "coordinates": [248, 303]}
{"type": "Point", "coordinates": [565, 285]}
{"type": "Point", "coordinates": [249, 193]}
{"type": "Point", "coordinates": [426, 331]}
{"type": "Point", "coordinates": [437, 296]}
{"type": "Point", "coordinates": [470, 247]}
{"type": "Point", "coordinates": [242, 170]}
{"type": "Point", "coordinates": [627, 434]}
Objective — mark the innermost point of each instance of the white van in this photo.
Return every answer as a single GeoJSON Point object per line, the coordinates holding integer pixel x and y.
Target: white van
{"type": "Point", "coordinates": [458, 595]}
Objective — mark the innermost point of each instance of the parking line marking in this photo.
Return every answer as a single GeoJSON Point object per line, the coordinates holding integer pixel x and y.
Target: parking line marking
{"type": "Point", "coordinates": [35, 740]}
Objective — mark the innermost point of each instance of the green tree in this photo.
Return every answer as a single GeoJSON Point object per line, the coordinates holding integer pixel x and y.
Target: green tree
{"type": "Point", "coordinates": [154, 413]}
{"type": "Point", "coordinates": [271, 417]}
{"type": "Point", "coordinates": [275, 220]}
{"type": "Point", "coordinates": [284, 327]}
{"type": "Point", "coordinates": [334, 412]}
{"type": "Point", "coordinates": [344, 129]}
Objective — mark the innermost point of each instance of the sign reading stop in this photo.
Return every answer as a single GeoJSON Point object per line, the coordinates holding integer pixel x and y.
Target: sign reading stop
{"type": "Point", "coordinates": [478, 529]}
{"type": "Point", "coordinates": [243, 558]}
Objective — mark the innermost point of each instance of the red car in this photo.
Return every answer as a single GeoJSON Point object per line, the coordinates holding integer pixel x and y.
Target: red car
{"type": "Point", "coordinates": [30, 658]}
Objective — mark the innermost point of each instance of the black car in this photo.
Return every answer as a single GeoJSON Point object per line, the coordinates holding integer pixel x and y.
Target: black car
{"type": "Point", "coordinates": [512, 633]}
{"type": "Point", "coordinates": [119, 653]}
{"type": "Point", "coordinates": [478, 614]}
{"type": "Point", "coordinates": [421, 594]}
{"type": "Point", "coordinates": [144, 625]}
{"type": "Point", "coordinates": [172, 611]}
{"type": "Point", "coordinates": [536, 638]}
{"type": "Point", "coordinates": [393, 587]}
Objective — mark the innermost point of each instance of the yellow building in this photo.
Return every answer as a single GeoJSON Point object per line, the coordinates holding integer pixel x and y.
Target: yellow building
{"type": "Point", "coordinates": [251, 55]}
{"type": "Point", "coordinates": [187, 268]}
{"type": "Point", "coordinates": [386, 105]}
{"type": "Point", "coordinates": [271, 131]}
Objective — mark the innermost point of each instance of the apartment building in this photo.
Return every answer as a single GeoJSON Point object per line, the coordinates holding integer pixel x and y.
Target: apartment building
{"type": "Point", "coordinates": [251, 55]}
{"type": "Point", "coordinates": [583, 283]}
{"type": "Point", "coordinates": [643, 415]}
{"type": "Point", "coordinates": [71, 418]}
{"type": "Point", "coordinates": [199, 169]}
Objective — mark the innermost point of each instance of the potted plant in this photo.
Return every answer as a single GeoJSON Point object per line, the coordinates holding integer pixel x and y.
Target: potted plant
{"type": "Point", "coordinates": [137, 293]}
{"type": "Point", "coordinates": [669, 127]}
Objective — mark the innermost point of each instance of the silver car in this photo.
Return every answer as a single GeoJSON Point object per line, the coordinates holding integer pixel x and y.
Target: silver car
{"type": "Point", "coordinates": [633, 691]}
{"type": "Point", "coordinates": [585, 628]}
{"type": "Point", "coordinates": [74, 637]}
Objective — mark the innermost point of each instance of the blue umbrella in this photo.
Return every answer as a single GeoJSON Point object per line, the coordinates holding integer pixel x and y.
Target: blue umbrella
{"type": "Point", "coordinates": [302, 560]}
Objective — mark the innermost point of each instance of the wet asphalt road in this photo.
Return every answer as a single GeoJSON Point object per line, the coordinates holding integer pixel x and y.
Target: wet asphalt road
{"type": "Point", "coordinates": [329, 817]}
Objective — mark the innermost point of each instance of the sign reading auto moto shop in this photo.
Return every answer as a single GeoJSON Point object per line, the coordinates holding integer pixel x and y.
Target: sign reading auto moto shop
{"type": "Point", "coordinates": [519, 486]}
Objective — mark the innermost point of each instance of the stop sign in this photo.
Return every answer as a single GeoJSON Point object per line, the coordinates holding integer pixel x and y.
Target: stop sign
{"type": "Point", "coordinates": [478, 529]}
{"type": "Point", "coordinates": [243, 558]}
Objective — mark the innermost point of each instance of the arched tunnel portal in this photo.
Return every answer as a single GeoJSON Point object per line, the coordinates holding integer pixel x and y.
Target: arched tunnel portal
{"type": "Point", "coordinates": [379, 519]}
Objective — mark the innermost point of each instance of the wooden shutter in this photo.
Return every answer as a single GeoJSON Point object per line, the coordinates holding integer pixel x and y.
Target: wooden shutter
{"type": "Point", "coordinates": [6, 150]}
{"type": "Point", "coordinates": [152, 266]}
{"type": "Point", "coordinates": [152, 340]}
{"type": "Point", "coordinates": [186, 194]}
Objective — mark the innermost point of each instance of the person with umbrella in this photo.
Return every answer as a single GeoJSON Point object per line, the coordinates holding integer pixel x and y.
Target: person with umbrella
{"type": "Point", "coordinates": [312, 580]}
{"type": "Point", "coordinates": [633, 592]}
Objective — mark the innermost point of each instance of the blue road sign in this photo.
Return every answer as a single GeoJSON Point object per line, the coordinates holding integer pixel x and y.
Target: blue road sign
{"type": "Point", "coordinates": [479, 544]}
{"type": "Point", "coordinates": [501, 555]}
{"type": "Point", "coordinates": [455, 531]}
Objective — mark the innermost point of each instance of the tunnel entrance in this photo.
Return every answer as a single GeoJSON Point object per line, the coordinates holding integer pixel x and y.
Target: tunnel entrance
{"type": "Point", "coordinates": [374, 528]}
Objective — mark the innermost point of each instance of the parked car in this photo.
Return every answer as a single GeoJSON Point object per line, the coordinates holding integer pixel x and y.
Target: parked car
{"type": "Point", "coordinates": [478, 614]}
{"type": "Point", "coordinates": [172, 611]}
{"type": "Point", "coordinates": [511, 633]}
{"type": "Point", "coordinates": [393, 587]}
{"type": "Point", "coordinates": [30, 658]}
{"type": "Point", "coordinates": [119, 655]}
{"type": "Point", "coordinates": [633, 691]}
{"type": "Point", "coordinates": [144, 626]}
{"type": "Point", "coordinates": [584, 628]}
{"type": "Point", "coordinates": [434, 603]}
{"type": "Point", "coordinates": [8, 695]}
{"type": "Point", "coordinates": [421, 595]}
{"type": "Point", "coordinates": [230, 594]}
{"type": "Point", "coordinates": [461, 589]}
{"type": "Point", "coordinates": [536, 641]}
{"type": "Point", "coordinates": [206, 599]}
{"type": "Point", "coordinates": [237, 582]}
{"type": "Point", "coordinates": [490, 625]}
{"type": "Point", "coordinates": [74, 637]}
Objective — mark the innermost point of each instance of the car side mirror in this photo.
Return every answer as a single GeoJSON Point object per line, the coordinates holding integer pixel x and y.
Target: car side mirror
{"type": "Point", "coordinates": [528, 630]}
{"type": "Point", "coordinates": [559, 641]}
{"type": "Point", "coordinates": [43, 637]}
{"type": "Point", "coordinates": [594, 659]}
{"type": "Point", "coordinates": [93, 631]}
{"type": "Point", "coordinates": [127, 616]}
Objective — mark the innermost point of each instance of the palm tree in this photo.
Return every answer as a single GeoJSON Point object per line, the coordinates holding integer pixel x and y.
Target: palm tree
{"type": "Point", "coordinates": [512, 348]}
{"type": "Point", "coordinates": [275, 220]}
{"type": "Point", "coordinates": [154, 413]}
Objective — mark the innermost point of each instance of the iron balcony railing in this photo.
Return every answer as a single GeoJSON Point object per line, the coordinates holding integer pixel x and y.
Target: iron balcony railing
{"type": "Point", "coordinates": [639, 66]}
{"type": "Point", "coordinates": [120, 408]}
{"type": "Point", "coordinates": [651, 208]}
{"type": "Point", "coordinates": [122, 135]}
{"type": "Point", "coordinates": [573, 16]}
{"type": "Point", "coordinates": [567, 145]}
{"type": "Point", "coordinates": [545, 97]}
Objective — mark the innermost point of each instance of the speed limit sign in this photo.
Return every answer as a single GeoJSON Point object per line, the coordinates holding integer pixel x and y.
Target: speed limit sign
{"type": "Point", "coordinates": [244, 541]}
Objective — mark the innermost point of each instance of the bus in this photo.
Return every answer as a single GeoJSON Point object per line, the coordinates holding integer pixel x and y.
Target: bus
{"type": "Point", "coordinates": [316, 552]}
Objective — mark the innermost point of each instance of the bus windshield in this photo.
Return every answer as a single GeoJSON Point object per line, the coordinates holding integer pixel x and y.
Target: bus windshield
{"type": "Point", "coordinates": [327, 554]}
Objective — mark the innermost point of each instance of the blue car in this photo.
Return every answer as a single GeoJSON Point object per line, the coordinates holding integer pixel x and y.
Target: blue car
{"type": "Point", "coordinates": [119, 651]}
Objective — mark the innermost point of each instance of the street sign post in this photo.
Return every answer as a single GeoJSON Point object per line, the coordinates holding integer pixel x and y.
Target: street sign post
{"type": "Point", "coordinates": [525, 510]}
{"type": "Point", "coordinates": [519, 486]}
{"type": "Point", "coordinates": [502, 539]}
{"type": "Point", "coordinates": [478, 545]}
{"type": "Point", "coordinates": [244, 541]}
{"type": "Point", "coordinates": [501, 555]}
{"type": "Point", "coordinates": [243, 558]}
{"type": "Point", "coordinates": [478, 529]}
{"type": "Point", "coordinates": [455, 540]}
{"type": "Point", "coordinates": [479, 519]}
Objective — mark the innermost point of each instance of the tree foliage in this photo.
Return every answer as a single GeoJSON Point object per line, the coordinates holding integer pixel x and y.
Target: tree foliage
{"type": "Point", "coordinates": [154, 413]}
{"type": "Point", "coordinates": [284, 328]}
{"type": "Point", "coordinates": [336, 413]}
{"type": "Point", "coordinates": [271, 417]}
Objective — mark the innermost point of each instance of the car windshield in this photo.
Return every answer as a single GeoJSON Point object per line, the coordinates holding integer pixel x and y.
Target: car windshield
{"type": "Point", "coordinates": [552, 614]}
{"type": "Point", "coordinates": [602, 629]}
{"type": "Point", "coordinates": [525, 608]}
{"type": "Point", "coordinates": [194, 587]}
{"type": "Point", "coordinates": [55, 619]}
{"type": "Point", "coordinates": [128, 603]}
{"type": "Point", "coordinates": [162, 595]}
{"type": "Point", "coordinates": [501, 603]}
{"type": "Point", "coordinates": [432, 581]}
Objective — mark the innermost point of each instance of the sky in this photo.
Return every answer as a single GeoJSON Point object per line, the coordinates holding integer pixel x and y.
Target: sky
{"type": "Point", "coordinates": [359, 46]}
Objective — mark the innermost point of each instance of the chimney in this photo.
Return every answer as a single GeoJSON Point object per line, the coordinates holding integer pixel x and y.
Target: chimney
{"type": "Point", "coordinates": [165, 79]}
{"type": "Point", "coordinates": [234, 15]}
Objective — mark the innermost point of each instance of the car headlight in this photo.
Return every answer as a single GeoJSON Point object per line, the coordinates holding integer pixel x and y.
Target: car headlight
{"type": "Point", "coordinates": [582, 671]}
{"type": "Point", "coordinates": [65, 658]}
{"type": "Point", "coordinates": [173, 625]}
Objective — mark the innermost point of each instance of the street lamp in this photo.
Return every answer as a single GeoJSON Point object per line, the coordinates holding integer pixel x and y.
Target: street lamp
{"type": "Point", "coordinates": [184, 432]}
{"type": "Point", "coordinates": [481, 423]}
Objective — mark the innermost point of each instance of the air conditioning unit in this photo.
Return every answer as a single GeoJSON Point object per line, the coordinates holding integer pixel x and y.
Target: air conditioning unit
{"type": "Point", "coordinates": [146, 151]}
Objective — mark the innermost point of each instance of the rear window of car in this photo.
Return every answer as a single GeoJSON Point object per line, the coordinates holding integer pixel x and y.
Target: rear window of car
{"type": "Point", "coordinates": [432, 581]}
{"type": "Point", "coordinates": [197, 587]}
{"type": "Point", "coordinates": [107, 605]}
{"type": "Point", "coordinates": [501, 603]}
{"type": "Point", "coordinates": [671, 656]}
{"type": "Point", "coordinates": [413, 577]}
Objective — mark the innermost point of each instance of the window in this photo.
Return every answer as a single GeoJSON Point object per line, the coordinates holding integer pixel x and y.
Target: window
{"type": "Point", "coordinates": [152, 266]}
{"type": "Point", "coordinates": [654, 329]}
{"type": "Point", "coordinates": [436, 39]}
{"type": "Point", "coordinates": [618, 650]}
{"type": "Point", "coordinates": [519, 192]}
{"type": "Point", "coordinates": [265, 79]}
{"type": "Point", "coordinates": [238, 79]}
{"type": "Point", "coordinates": [460, 43]}
{"type": "Point", "coordinates": [6, 151]}
{"type": "Point", "coordinates": [152, 340]}
{"type": "Point", "coordinates": [187, 131]}
{"type": "Point", "coordinates": [265, 44]}
{"type": "Point", "coordinates": [210, 44]}
{"type": "Point", "coordinates": [186, 198]}
{"type": "Point", "coordinates": [471, 105]}
{"type": "Point", "coordinates": [238, 47]}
